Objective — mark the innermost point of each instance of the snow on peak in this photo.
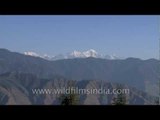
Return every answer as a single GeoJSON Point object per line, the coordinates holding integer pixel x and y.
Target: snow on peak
{"type": "Point", "coordinates": [90, 53]}
{"type": "Point", "coordinates": [32, 54]}
{"type": "Point", "coordinates": [92, 50]}
{"type": "Point", "coordinates": [45, 56]}
{"type": "Point", "coordinates": [74, 54]}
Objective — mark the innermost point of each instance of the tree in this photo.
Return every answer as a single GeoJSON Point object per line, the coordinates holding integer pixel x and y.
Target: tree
{"type": "Point", "coordinates": [71, 98]}
{"type": "Point", "coordinates": [156, 101]}
{"type": "Point", "coordinates": [120, 98]}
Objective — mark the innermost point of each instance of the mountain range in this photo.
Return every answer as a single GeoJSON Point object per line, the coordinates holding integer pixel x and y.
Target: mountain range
{"type": "Point", "coordinates": [17, 89]}
{"type": "Point", "coordinates": [22, 72]}
{"type": "Point", "coordinates": [74, 54]}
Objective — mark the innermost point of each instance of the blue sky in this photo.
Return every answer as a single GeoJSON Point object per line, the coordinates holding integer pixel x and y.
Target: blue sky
{"type": "Point", "coordinates": [125, 36]}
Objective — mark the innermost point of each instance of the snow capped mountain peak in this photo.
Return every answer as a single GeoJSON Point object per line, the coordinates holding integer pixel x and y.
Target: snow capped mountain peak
{"type": "Point", "coordinates": [92, 50]}
{"type": "Point", "coordinates": [45, 56]}
{"type": "Point", "coordinates": [31, 54]}
{"type": "Point", "coordinates": [90, 53]}
{"type": "Point", "coordinates": [74, 54]}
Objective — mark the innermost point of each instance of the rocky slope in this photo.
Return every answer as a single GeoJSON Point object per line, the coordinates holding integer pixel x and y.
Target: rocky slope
{"type": "Point", "coordinates": [17, 89]}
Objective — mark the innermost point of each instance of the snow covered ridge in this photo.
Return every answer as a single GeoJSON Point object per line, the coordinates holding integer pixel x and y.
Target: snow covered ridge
{"type": "Point", "coordinates": [31, 54]}
{"type": "Point", "coordinates": [85, 54]}
{"type": "Point", "coordinates": [74, 54]}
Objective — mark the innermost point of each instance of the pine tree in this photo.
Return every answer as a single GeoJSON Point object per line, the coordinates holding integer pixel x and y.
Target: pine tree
{"type": "Point", "coordinates": [156, 101]}
{"type": "Point", "coordinates": [120, 99]}
{"type": "Point", "coordinates": [71, 98]}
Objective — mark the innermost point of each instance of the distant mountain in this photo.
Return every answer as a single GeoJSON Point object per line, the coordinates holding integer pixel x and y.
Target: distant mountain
{"type": "Point", "coordinates": [85, 54]}
{"type": "Point", "coordinates": [32, 54]}
{"type": "Point", "coordinates": [45, 56]}
{"type": "Point", "coordinates": [17, 89]}
{"type": "Point", "coordinates": [142, 74]}
{"type": "Point", "coordinates": [74, 54]}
